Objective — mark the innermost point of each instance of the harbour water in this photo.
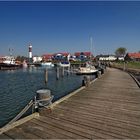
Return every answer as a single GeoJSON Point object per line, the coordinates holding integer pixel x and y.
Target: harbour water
{"type": "Point", "coordinates": [18, 87]}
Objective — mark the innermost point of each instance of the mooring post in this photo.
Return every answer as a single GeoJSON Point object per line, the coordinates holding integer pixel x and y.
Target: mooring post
{"type": "Point", "coordinates": [86, 81]}
{"type": "Point", "coordinates": [68, 73]}
{"type": "Point", "coordinates": [46, 75]}
{"type": "Point", "coordinates": [102, 71]}
{"type": "Point", "coordinates": [63, 71]}
{"type": "Point", "coordinates": [71, 70]}
{"type": "Point", "coordinates": [57, 73]}
{"type": "Point", "coordinates": [97, 74]}
{"type": "Point", "coordinates": [124, 66]}
{"type": "Point", "coordinates": [36, 105]}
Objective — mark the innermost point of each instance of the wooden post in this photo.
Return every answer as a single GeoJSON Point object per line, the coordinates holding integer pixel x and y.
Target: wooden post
{"type": "Point", "coordinates": [124, 66]}
{"type": "Point", "coordinates": [102, 71]}
{"type": "Point", "coordinates": [71, 69]}
{"type": "Point", "coordinates": [57, 73]}
{"type": "Point", "coordinates": [63, 71]}
{"type": "Point", "coordinates": [68, 73]}
{"type": "Point", "coordinates": [97, 74]}
{"type": "Point", "coordinates": [46, 76]}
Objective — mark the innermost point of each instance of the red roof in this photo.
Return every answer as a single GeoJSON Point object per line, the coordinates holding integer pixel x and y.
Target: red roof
{"type": "Point", "coordinates": [134, 55]}
{"type": "Point", "coordinates": [63, 53]}
{"type": "Point", "coordinates": [84, 53]}
{"type": "Point", "coordinates": [47, 56]}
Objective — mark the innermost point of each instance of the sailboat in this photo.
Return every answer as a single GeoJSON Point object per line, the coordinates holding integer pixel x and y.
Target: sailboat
{"type": "Point", "coordinates": [88, 69]}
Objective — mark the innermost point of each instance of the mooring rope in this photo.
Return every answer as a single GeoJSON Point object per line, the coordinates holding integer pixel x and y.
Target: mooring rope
{"type": "Point", "coordinates": [22, 112]}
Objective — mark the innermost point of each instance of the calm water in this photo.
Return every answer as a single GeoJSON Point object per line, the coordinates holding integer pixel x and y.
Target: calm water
{"type": "Point", "coordinates": [18, 87]}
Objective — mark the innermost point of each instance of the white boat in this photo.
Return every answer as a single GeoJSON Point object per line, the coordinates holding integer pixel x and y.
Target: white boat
{"type": "Point", "coordinates": [64, 64]}
{"type": "Point", "coordinates": [87, 70]}
{"type": "Point", "coordinates": [8, 62]}
{"type": "Point", "coordinates": [47, 64]}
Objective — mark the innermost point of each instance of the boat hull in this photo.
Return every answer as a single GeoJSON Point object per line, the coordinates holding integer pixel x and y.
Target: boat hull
{"type": "Point", "coordinates": [86, 73]}
{"type": "Point", "coordinates": [63, 64]}
{"type": "Point", "coordinates": [4, 66]}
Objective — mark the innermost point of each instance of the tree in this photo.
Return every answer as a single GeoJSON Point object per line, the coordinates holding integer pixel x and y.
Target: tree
{"type": "Point", "coordinates": [120, 51]}
{"type": "Point", "coordinates": [21, 58]}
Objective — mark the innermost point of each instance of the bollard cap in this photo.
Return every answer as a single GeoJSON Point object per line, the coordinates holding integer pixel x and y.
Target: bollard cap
{"type": "Point", "coordinates": [43, 94]}
{"type": "Point", "coordinates": [42, 91]}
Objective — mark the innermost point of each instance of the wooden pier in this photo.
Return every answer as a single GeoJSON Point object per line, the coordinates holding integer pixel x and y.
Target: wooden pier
{"type": "Point", "coordinates": [109, 108]}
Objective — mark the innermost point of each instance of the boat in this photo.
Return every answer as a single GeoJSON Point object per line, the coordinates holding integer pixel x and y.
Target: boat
{"type": "Point", "coordinates": [86, 71]}
{"type": "Point", "coordinates": [8, 63]}
{"type": "Point", "coordinates": [47, 64]}
{"type": "Point", "coordinates": [64, 64]}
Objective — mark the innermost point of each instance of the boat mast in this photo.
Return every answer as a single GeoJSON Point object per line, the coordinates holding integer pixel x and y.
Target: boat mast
{"type": "Point", "coordinates": [91, 43]}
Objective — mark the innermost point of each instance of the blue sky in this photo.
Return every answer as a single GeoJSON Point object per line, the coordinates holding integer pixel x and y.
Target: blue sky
{"type": "Point", "coordinates": [67, 26]}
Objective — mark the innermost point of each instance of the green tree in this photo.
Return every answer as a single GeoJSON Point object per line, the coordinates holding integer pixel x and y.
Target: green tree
{"type": "Point", "coordinates": [21, 58]}
{"type": "Point", "coordinates": [121, 51]}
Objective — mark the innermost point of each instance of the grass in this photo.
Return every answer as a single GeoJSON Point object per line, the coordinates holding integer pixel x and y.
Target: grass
{"type": "Point", "coordinates": [134, 65]}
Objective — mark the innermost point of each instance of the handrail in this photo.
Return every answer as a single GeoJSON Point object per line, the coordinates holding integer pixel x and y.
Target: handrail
{"type": "Point", "coordinates": [137, 82]}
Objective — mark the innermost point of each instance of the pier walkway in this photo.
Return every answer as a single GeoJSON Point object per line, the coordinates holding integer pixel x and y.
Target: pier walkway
{"type": "Point", "coordinates": [109, 108]}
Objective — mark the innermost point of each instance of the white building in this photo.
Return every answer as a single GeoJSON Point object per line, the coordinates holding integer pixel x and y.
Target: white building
{"type": "Point", "coordinates": [107, 57]}
{"type": "Point", "coordinates": [37, 59]}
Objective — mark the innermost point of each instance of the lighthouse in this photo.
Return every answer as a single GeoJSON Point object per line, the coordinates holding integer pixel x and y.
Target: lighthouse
{"type": "Point", "coordinates": [30, 53]}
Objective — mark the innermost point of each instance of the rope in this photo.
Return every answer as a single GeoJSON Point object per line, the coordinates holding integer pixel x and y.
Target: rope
{"type": "Point", "coordinates": [47, 103]}
{"type": "Point", "coordinates": [22, 112]}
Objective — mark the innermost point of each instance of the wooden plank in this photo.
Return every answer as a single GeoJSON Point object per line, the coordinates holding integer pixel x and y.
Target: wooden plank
{"type": "Point", "coordinates": [112, 114]}
{"type": "Point", "coordinates": [115, 127]}
{"type": "Point", "coordinates": [76, 128]}
{"type": "Point", "coordinates": [94, 117]}
{"type": "Point", "coordinates": [94, 104]}
{"type": "Point", "coordinates": [20, 133]}
{"type": "Point", "coordinates": [19, 122]}
{"type": "Point", "coordinates": [4, 136]}
{"type": "Point", "coordinates": [55, 131]}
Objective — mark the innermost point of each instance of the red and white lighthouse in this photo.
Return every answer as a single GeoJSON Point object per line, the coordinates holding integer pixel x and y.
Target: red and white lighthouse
{"type": "Point", "coordinates": [30, 51]}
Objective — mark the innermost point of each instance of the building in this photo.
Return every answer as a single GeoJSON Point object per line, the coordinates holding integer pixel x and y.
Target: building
{"type": "Point", "coordinates": [61, 56]}
{"type": "Point", "coordinates": [37, 59]}
{"type": "Point", "coordinates": [2, 58]}
{"type": "Point", "coordinates": [106, 57]}
{"type": "Point", "coordinates": [133, 56]}
{"type": "Point", "coordinates": [83, 55]}
{"type": "Point", "coordinates": [47, 57]}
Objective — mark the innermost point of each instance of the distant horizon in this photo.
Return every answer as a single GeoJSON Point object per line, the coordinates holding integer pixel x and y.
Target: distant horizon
{"type": "Point", "coordinates": [66, 26]}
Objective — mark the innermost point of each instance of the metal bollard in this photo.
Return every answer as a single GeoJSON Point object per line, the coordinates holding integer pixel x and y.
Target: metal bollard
{"type": "Point", "coordinates": [86, 81]}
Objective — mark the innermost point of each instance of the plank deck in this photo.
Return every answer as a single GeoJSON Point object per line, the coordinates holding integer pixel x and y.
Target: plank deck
{"type": "Point", "coordinates": [109, 108]}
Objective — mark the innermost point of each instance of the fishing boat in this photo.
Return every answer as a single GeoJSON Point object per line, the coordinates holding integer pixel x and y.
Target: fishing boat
{"type": "Point", "coordinates": [8, 62]}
